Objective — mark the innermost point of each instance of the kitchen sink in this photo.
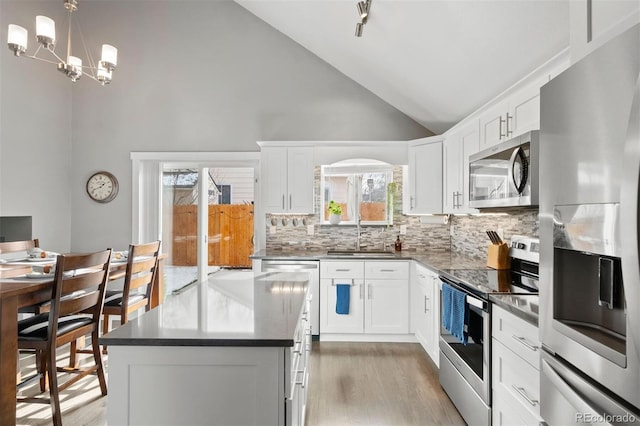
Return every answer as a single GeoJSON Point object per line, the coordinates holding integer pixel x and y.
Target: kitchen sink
{"type": "Point", "coordinates": [360, 253]}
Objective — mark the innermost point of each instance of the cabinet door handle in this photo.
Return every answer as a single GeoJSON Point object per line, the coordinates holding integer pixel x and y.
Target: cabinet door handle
{"type": "Point", "coordinates": [282, 201]}
{"type": "Point", "coordinates": [502, 120]}
{"type": "Point", "coordinates": [509, 117]}
{"type": "Point", "coordinates": [425, 304]}
{"type": "Point", "coordinates": [343, 270]}
{"type": "Point", "coordinates": [387, 270]}
{"type": "Point", "coordinates": [290, 202]}
{"type": "Point", "coordinates": [524, 342]}
{"type": "Point", "coordinates": [411, 202]}
{"type": "Point", "coordinates": [523, 394]}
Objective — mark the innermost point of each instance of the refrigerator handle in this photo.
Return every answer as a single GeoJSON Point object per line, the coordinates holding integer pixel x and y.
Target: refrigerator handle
{"type": "Point", "coordinates": [629, 202]}
{"type": "Point", "coordinates": [567, 391]}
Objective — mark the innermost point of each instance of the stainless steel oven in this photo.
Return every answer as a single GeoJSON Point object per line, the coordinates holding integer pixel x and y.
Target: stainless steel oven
{"type": "Point", "coordinates": [465, 365]}
{"type": "Point", "coordinates": [505, 175]}
{"type": "Point", "coordinates": [465, 368]}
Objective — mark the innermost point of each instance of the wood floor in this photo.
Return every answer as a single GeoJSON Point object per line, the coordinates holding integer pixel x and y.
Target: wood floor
{"type": "Point", "coordinates": [376, 384]}
{"type": "Point", "coordinates": [392, 384]}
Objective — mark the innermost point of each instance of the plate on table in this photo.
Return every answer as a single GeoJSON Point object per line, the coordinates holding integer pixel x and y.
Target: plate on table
{"type": "Point", "coordinates": [38, 275]}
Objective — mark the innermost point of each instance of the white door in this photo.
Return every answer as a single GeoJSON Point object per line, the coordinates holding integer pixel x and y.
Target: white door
{"type": "Point", "coordinates": [333, 322]}
{"type": "Point", "coordinates": [387, 306]}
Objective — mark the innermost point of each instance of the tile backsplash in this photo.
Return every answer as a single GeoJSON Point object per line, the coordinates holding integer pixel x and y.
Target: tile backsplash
{"type": "Point", "coordinates": [469, 237]}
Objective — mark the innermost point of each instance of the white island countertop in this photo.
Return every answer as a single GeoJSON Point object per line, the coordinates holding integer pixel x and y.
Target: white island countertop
{"type": "Point", "coordinates": [227, 310]}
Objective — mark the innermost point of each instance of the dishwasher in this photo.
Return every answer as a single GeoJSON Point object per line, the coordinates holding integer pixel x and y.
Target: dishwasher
{"type": "Point", "coordinates": [313, 268]}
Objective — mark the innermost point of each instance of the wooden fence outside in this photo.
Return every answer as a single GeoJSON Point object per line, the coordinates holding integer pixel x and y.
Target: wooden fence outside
{"type": "Point", "coordinates": [230, 235]}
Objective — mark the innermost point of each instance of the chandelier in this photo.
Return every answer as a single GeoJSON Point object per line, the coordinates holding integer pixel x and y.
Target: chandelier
{"type": "Point", "coordinates": [363, 12]}
{"type": "Point", "coordinates": [71, 66]}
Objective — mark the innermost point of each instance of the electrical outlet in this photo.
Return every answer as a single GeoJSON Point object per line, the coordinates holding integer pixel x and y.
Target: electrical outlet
{"type": "Point", "coordinates": [310, 230]}
{"type": "Point", "coordinates": [403, 229]}
{"type": "Point", "coordinates": [451, 230]}
{"type": "Point", "coordinates": [272, 230]}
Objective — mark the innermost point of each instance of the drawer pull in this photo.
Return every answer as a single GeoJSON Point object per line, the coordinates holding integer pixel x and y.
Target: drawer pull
{"type": "Point", "coordinates": [343, 270]}
{"type": "Point", "coordinates": [523, 394]}
{"type": "Point", "coordinates": [387, 270]}
{"type": "Point", "coordinates": [342, 281]}
{"type": "Point", "coordinates": [524, 342]}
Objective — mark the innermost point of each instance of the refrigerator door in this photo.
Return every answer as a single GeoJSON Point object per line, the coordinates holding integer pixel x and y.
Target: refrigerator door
{"type": "Point", "coordinates": [568, 398]}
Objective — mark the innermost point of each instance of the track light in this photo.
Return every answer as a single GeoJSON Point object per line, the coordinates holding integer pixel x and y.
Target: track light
{"type": "Point", "coordinates": [363, 10]}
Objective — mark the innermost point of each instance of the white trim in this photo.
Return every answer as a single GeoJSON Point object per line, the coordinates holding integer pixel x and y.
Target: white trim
{"type": "Point", "coordinates": [395, 338]}
{"type": "Point", "coordinates": [324, 144]}
{"type": "Point", "coordinates": [205, 157]}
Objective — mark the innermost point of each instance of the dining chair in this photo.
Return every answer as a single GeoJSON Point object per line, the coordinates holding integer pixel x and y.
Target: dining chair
{"type": "Point", "coordinates": [142, 264]}
{"type": "Point", "coordinates": [76, 306]}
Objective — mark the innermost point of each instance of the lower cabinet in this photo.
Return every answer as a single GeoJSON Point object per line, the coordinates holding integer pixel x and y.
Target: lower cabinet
{"type": "Point", "coordinates": [425, 309]}
{"type": "Point", "coordinates": [516, 371]}
{"type": "Point", "coordinates": [297, 366]}
{"type": "Point", "coordinates": [378, 297]}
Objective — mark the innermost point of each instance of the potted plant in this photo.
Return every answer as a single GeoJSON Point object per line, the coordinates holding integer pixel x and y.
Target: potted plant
{"type": "Point", "coordinates": [335, 212]}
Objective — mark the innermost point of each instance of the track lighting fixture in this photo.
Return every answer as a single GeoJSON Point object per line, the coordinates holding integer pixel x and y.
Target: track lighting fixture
{"type": "Point", "coordinates": [363, 11]}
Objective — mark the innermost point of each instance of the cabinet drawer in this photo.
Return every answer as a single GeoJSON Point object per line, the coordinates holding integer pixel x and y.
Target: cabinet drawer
{"type": "Point", "coordinates": [517, 334]}
{"type": "Point", "coordinates": [511, 374]}
{"type": "Point", "coordinates": [342, 269]}
{"type": "Point", "coordinates": [387, 270]}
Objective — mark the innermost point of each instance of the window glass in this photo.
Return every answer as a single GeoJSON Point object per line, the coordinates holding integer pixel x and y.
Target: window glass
{"type": "Point", "coordinates": [359, 187]}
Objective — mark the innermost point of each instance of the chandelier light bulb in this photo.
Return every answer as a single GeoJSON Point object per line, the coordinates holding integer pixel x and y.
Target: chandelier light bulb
{"type": "Point", "coordinates": [45, 31]}
{"type": "Point", "coordinates": [74, 69]}
{"type": "Point", "coordinates": [109, 56]}
{"type": "Point", "coordinates": [104, 74]}
{"type": "Point", "coordinates": [17, 38]}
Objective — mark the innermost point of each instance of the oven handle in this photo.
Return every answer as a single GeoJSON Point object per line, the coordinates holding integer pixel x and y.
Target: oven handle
{"type": "Point", "coordinates": [473, 301]}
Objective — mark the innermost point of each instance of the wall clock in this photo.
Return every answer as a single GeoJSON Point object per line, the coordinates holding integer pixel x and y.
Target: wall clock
{"type": "Point", "coordinates": [102, 187]}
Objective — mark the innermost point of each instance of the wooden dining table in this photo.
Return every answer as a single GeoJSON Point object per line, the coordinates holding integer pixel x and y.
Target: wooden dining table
{"type": "Point", "coordinates": [21, 291]}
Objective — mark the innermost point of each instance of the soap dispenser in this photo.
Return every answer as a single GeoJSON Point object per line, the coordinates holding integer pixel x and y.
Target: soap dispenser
{"type": "Point", "coordinates": [398, 244]}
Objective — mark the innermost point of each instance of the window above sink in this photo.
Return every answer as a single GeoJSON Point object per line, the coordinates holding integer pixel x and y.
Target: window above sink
{"type": "Point", "coordinates": [361, 188]}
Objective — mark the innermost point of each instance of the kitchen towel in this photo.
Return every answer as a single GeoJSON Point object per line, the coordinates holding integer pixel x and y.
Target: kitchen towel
{"type": "Point", "coordinates": [342, 298]}
{"type": "Point", "coordinates": [454, 312]}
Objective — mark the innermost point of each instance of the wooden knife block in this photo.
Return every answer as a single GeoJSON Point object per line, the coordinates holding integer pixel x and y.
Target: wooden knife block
{"type": "Point", "coordinates": [498, 256]}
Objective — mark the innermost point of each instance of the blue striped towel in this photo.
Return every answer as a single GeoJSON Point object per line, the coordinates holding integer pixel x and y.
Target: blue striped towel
{"type": "Point", "coordinates": [342, 298]}
{"type": "Point", "coordinates": [454, 312]}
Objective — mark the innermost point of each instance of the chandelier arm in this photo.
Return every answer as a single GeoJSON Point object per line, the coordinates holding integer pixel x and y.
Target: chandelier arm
{"type": "Point", "coordinates": [56, 56]}
{"type": "Point", "coordinates": [40, 59]}
{"type": "Point", "coordinates": [69, 36]}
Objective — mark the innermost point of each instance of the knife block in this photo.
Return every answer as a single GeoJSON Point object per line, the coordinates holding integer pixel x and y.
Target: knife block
{"type": "Point", "coordinates": [498, 256]}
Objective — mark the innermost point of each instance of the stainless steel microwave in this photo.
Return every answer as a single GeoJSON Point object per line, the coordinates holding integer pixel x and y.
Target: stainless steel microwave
{"type": "Point", "coordinates": [505, 175]}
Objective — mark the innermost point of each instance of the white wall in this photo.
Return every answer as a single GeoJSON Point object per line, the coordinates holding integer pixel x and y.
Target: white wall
{"type": "Point", "coordinates": [192, 76]}
{"type": "Point", "coordinates": [204, 76]}
{"type": "Point", "coordinates": [35, 132]}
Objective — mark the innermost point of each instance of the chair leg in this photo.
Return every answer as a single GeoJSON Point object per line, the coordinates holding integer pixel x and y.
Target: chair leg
{"type": "Point", "coordinates": [105, 329]}
{"type": "Point", "coordinates": [53, 387]}
{"type": "Point", "coordinates": [41, 367]}
{"type": "Point", "coordinates": [76, 347]}
{"type": "Point", "coordinates": [97, 358]}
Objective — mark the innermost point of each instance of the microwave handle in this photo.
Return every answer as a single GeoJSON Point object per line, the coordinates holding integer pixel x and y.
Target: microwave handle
{"type": "Point", "coordinates": [518, 186]}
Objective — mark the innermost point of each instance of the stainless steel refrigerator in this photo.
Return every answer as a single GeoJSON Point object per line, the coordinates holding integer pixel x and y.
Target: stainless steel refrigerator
{"type": "Point", "coordinates": [589, 262]}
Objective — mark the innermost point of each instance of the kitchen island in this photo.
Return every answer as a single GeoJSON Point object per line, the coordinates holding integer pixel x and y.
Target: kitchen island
{"type": "Point", "coordinates": [231, 350]}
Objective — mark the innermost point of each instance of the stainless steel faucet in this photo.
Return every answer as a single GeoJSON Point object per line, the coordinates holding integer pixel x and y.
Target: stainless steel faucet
{"type": "Point", "coordinates": [358, 233]}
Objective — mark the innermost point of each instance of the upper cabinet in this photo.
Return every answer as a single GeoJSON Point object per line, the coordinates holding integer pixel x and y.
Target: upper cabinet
{"type": "Point", "coordinates": [513, 116]}
{"type": "Point", "coordinates": [458, 146]}
{"type": "Point", "coordinates": [423, 187]}
{"type": "Point", "coordinates": [287, 179]}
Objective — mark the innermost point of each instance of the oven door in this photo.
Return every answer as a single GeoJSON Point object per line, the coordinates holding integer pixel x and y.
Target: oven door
{"type": "Point", "coordinates": [471, 360]}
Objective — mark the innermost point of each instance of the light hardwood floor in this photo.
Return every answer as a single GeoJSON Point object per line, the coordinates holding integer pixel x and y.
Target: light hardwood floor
{"type": "Point", "coordinates": [392, 384]}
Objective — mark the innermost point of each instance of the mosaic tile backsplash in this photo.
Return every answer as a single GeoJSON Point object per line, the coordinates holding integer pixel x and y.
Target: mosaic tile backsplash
{"type": "Point", "coordinates": [469, 237]}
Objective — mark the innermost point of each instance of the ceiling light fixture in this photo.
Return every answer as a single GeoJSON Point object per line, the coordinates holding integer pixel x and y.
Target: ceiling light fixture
{"type": "Point", "coordinates": [72, 67]}
{"type": "Point", "coordinates": [363, 11]}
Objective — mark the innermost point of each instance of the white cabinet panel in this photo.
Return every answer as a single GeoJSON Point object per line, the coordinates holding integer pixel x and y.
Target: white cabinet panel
{"type": "Point", "coordinates": [287, 179]}
{"type": "Point", "coordinates": [458, 146]}
{"type": "Point", "coordinates": [517, 335]}
{"type": "Point", "coordinates": [425, 307]}
{"type": "Point", "coordinates": [387, 306]}
{"type": "Point", "coordinates": [332, 322]}
{"type": "Point", "coordinates": [425, 177]}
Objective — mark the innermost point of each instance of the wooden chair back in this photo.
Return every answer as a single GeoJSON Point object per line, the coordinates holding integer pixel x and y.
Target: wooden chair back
{"type": "Point", "coordinates": [18, 246]}
{"type": "Point", "coordinates": [142, 265]}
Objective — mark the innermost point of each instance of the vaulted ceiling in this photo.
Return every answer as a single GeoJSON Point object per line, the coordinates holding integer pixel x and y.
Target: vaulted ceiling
{"type": "Point", "coordinates": [435, 60]}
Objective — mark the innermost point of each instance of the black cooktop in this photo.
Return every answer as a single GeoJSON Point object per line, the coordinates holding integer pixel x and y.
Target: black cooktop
{"type": "Point", "coordinates": [484, 282]}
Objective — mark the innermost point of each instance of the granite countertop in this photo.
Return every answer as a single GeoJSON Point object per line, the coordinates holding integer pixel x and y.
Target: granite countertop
{"type": "Point", "coordinates": [524, 306]}
{"type": "Point", "coordinates": [253, 310]}
{"type": "Point", "coordinates": [435, 260]}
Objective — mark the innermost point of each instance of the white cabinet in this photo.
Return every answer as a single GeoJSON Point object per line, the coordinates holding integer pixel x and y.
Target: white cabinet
{"type": "Point", "coordinates": [287, 179]}
{"type": "Point", "coordinates": [425, 177]}
{"type": "Point", "coordinates": [458, 146]}
{"type": "Point", "coordinates": [513, 116]}
{"type": "Point", "coordinates": [297, 370]}
{"type": "Point", "coordinates": [515, 370]}
{"type": "Point", "coordinates": [378, 297]}
{"type": "Point", "coordinates": [425, 309]}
